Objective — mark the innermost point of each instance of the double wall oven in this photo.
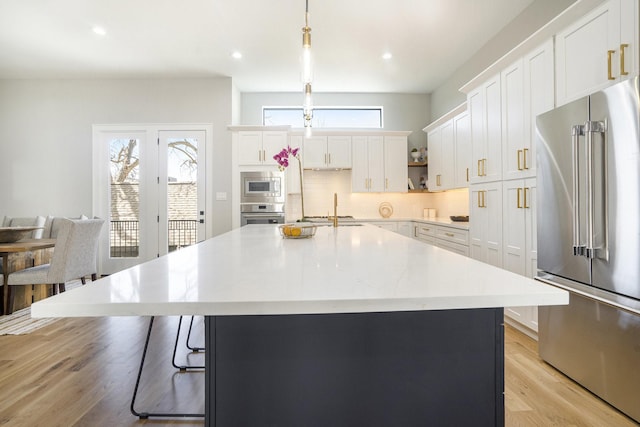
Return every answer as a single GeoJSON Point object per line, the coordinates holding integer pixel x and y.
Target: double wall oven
{"type": "Point", "coordinates": [262, 198]}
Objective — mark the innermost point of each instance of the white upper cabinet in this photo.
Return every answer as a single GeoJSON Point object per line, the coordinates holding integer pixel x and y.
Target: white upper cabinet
{"type": "Point", "coordinates": [448, 139]}
{"type": "Point", "coordinates": [462, 155]}
{"type": "Point", "coordinates": [484, 105]}
{"type": "Point", "coordinates": [327, 152]}
{"type": "Point", "coordinates": [514, 145]}
{"type": "Point", "coordinates": [527, 90]}
{"type": "Point", "coordinates": [259, 147]}
{"type": "Point", "coordinates": [538, 98]}
{"type": "Point", "coordinates": [597, 51]}
{"type": "Point", "coordinates": [379, 164]}
{"type": "Point", "coordinates": [395, 164]}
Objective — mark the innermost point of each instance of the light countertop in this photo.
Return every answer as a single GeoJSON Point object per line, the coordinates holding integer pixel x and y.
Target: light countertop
{"type": "Point", "coordinates": [252, 270]}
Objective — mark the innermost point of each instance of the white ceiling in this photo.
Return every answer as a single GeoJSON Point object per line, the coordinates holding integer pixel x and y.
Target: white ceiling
{"type": "Point", "coordinates": [429, 40]}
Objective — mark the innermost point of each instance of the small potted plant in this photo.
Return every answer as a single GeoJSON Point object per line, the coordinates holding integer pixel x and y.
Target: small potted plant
{"type": "Point", "coordinates": [415, 155]}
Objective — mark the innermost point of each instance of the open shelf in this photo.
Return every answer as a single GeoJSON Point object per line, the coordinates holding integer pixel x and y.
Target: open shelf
{"type": "Point", "coordinates": [417, 164]}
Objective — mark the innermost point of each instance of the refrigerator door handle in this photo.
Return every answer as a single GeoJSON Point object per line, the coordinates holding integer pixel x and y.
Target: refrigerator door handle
{"type": "Point", "coordinates": [576, 132]}
{"type": "Point", "coordinates": [591, 128]}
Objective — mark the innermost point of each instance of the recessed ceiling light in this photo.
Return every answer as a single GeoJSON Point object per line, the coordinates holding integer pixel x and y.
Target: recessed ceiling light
{"type": "Point", "coordinates": [99, 31]}
{"type": "Point", "coordinates": [387, 56]}
{"type": "Point", "coordinates": [236, 55]}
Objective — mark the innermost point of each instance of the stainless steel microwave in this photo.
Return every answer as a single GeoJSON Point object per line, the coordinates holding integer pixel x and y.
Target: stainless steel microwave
{"type": "Point", "coordinates": [262, 187]}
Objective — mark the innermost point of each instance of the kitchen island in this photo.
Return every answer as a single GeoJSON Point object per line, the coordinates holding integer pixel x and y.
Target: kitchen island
{"type": "Point", "coordinates": [355, 326]}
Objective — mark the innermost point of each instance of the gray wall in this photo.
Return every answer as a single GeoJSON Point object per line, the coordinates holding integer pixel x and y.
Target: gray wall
{"type": "Point", "coordinates": [446, 96]}
{"type": "Point", "coordinates": [46, 137]}
{"type": "Point", "coordinates": [400, 111]}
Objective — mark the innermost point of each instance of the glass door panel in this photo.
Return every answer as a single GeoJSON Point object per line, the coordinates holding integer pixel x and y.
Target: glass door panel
{"type": "Point", "coordinates": [184, 180]}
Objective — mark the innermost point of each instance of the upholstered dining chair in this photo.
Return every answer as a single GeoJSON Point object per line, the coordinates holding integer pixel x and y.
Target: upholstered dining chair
{"type": "Point", "coordinates": [74, 257]}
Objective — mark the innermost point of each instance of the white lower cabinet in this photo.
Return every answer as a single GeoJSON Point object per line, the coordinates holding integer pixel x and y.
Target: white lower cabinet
{"type": "Point", "coordinates": [387, 225]}
{"type": "Point", "coordinates": [449, 238]}
{"type": "Point", "coordinates": [519, 240]}
{"type": "Point", "coordinates": [485, 222]}
{"type": "Point", "coordinates": [405, 228]}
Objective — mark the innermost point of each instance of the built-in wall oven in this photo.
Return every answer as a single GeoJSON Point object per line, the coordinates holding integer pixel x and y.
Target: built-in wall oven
{"type": "Point", "coordinates": [262, 198]}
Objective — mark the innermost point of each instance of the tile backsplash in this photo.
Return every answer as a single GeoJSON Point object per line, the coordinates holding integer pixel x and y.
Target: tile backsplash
{"type": "Point", "coordinates": [319, 187]}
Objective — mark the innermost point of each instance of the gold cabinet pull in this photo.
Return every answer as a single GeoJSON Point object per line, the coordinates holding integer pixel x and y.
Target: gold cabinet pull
{"type": "Point", "coordinates": [449, 234]}
{"type": "Point", "coordinates": [519, 166]}
{"type": "Point", "coordinates": [438, 180]}
{"type": "Point", "coordinates": [329, 158]}
{"type": "Point", "coordinates": [519, 203]}
{"type": "Point", "coordinates": [524, 158]}
{"type": "Point", "coordinates": [484, 202]}
{"type": "Point", "coordinates": [609, 55]}
{"type": "Point", "coordinates": [479, 204]}
{"type": "Point", "coordinates": [479, 161]}
{"type": "Point", "coordinates": [484, 167]}
{"type": "Point", "coordinates": [386, 183]}
{"type": "Point", "coordinates": [526, 205]}
{"type": "Point", "coordinates": [467, 174]}
{"type": "Point", "coordinates": [623, 46]}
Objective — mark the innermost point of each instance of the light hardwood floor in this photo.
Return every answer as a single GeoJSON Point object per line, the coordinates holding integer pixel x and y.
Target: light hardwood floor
{"type": "Point", "coordinates": [81, 372]}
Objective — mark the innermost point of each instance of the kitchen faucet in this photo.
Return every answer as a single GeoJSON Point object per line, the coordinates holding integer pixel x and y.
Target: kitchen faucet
{"type": "Point", "coordinates": [335, 209]}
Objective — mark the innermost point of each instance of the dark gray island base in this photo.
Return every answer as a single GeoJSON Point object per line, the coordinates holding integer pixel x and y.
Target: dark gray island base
{"type": "Point", "coordinates": [418, 368]}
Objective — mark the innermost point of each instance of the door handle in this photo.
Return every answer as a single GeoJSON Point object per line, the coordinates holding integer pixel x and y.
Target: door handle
{"type": "Point", "coordinates": [590, 129]}
{"type": "Point", "coordinates": [576, 132]}
{"type": "Point", "coordinates": [623, 46]}
{"type": "Point", "coordinates": [484, 202]}
{"type": "Point", "coordinates": [518, 202]}
{"type": "Point", "coordinates": [524, 158]}
{"type": "Point", "coordinates": [479, 173]}
{"type": "Point", "coordinates": [518, 155]}
{"type": "Point", "coordinates": [526, 204]}
{"type": "Point", "coordinates": [609, 55]}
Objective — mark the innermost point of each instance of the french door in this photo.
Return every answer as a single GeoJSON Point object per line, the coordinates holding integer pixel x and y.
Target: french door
{"type": "Point", "coordinates": [149, 184]}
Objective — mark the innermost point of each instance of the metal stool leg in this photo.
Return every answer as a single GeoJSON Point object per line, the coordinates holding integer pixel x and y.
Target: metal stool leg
{"type": "Point", "coordinates": [182, 368]}
{"type": "Point", "coordinates": [145, 415]}
{"type": "Point", "coordinates": [194, 349]}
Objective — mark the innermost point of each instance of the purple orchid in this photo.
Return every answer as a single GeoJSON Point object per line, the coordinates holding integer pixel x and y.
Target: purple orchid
{"type": "Point", "coordinates": [282, 158]}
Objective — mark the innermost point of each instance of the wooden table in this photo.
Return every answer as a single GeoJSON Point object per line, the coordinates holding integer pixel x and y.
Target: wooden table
{"type": "Point", "coordinates": [25, 245]}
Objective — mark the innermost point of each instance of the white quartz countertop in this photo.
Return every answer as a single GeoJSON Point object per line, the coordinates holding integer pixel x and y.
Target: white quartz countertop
{"type": "Point", "coordinates": [252, 270]}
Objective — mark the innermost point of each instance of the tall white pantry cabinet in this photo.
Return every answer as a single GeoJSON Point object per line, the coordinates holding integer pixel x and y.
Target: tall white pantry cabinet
{"type": "Point", "coordinates": [502, 192]}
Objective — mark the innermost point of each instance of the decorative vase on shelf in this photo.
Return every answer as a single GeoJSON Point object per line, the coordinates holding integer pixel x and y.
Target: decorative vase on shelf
{"type": "Point", "coordinates": [415, 155]}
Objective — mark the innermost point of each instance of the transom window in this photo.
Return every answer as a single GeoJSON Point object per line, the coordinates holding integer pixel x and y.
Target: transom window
{"type": "Point", "coordinates": [325, 117]}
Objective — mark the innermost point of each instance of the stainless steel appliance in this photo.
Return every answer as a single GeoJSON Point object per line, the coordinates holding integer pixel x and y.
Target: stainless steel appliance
{"type": "Point", "coordinates": [588, 220]}
{"type": "Point", "coordinates": [262, 198]}
{"type": "Point", "coordinates": [261, 213]}
{"type": "Point", "coordinates": [262, 187]}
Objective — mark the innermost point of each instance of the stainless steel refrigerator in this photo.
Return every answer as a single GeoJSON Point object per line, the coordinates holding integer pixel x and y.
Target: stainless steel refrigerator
{"type": "Point", "coordinates": [588, 217]}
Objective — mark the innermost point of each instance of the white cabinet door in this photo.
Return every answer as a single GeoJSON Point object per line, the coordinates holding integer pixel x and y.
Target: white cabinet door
{"type": "Point", "coordinates": [250, 147]}
{"type": "Point", "coordinates": [379, 164]}
{"type": "Point", "coordinates": [513, 121]}
{"type": "Point", "coordinates": [375, 146]}
{"type": "Point", "coordinates": [539, 98]}
{"type": "Point", "coordinates": [519, 240]}
{"type": "Point", "coordinates": [589, 53]}
{"type": "Point", "coordinates": [448, 153]}
{"type": "Point", "coordinates": [492, 167]}
{"type": "Point", "coordinates": [314, 154]}
{"type": "Point", "coordinates": [395, 164]}
{"type": "Point", "coordinates": [367, 171]}
{"type": "Point", "coordinates": [485, 222]}
{"type": "Point", "coordinates": [339, 152]}
{"type": "Point", "coordinates": [462, 154]}
{"type": "Point", "coordinates": [486, 131]}
{"type": "Point", "coordinates": [434, 139]}
{"type": "Point", "coordinates": [360, 164]}
{"type": "Point", "coordinates": [405, 228]}
{"type": "Point", "coordinates": [272, 143]}
{"type": "Point", "coordinates": [259, 147]}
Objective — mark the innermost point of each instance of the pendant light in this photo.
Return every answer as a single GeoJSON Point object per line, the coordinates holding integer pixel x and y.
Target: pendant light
{"type": "Point", "coordinates": [307, 73]}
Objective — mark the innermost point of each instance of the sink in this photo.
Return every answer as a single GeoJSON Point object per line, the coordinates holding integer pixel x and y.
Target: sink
{"type": "Point", "coordinates": [347, 224]}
